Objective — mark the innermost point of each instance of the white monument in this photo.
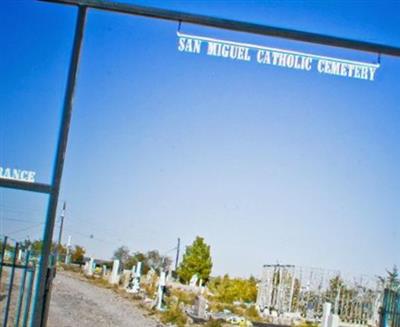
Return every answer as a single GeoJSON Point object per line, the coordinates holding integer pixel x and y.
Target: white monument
{"type": "Point", "coordinates": [193, 281]}
{"type": "Point", "coordinates": [334, 320]}
{"type": "Point", "coordinates": [134, 281]}
{"type": "Point", "coordinates": [161, 288]}
{"type": "Point", "coordinates": [326, 313]}
{"type": "Point", "coordinates": [90, 267]}
{"type": "Point", "coordinates": [68, 254]}
{"type": "Point", "coordinates": [114, 278]}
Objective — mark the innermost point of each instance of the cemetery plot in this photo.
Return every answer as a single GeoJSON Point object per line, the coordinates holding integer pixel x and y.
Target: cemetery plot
{"type": "Point", "coordinates": [287, 296]}
{"type": "Point", "coordinates": [287, 291]}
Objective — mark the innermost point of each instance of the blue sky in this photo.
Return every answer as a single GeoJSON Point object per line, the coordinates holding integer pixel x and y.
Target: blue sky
{"type": "Point", "coordinates": [268, 164]}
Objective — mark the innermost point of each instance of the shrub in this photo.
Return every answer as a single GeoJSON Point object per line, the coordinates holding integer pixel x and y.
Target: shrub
{"type": "Point", "coordinates": [308, 324]}
{"type": "Point", "coordinates": [182, 296]}
{"type": "Point", "coordinates": [252, 314]}
{"type": "Point", "coordinates": [174, 315]}
{"type": "Point", "coordinates": [229, 290]}
{"type": "Point", "coordinates": [214, 323]}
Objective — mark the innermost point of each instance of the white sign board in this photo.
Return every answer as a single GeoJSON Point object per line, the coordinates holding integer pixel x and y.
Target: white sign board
{"type": "Point", "coordinates": [276, 57]}
{"type": "Point", "coordinates": [17, 174]}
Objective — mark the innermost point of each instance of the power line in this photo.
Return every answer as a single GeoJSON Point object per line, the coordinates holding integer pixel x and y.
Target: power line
{"type": "Point", "coordinates": [91, 236]}
{"type": "Point", "coordinates": [20, 210]}
{"type": "Point", "coordinates": [170, 250]}
{"type": "Point", "coordinates": [17, 220]}
{"type": "Point", "coordinates": [25, 229]}
{"type": "Point", "coordinates": [96, 231]}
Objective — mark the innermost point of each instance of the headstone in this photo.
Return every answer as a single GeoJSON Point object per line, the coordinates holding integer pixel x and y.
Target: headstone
{"type": "Point", "coordinates": [7, 254]}
{"type": "Point", "coordinates": [200, 307]}
{"type": "Point", "coordinates": [126, 278]}
{"type": "Point", "coordinates": [150, 275]}
{"type": "Point", "coordinates": [114, 278]}
{"type": "Point", "coordinates": [310, 312]}
{"type": "Point", "coordinates": [161, 288]}
{"type": "Point", "coordinates": [90, 267]}
{"type": "Point", "coordinates": [138, 269]}
{"type": "Point", "coordinates": [68, 255]}
{"type": "Point", "coordinates": [334, 320]}
{"type": "Point", "coordinates": [201, 286]}
{"type": "Point", "coordinates": [326, 313]}
{"type": "Point", "coordinates": [193, 281]}
{"type": "Point", "coordinates": [134, 282]}
{"type": "Point", "coordinates": [67, 259]}
{"type": "Point", "coordinates": [168, 277]}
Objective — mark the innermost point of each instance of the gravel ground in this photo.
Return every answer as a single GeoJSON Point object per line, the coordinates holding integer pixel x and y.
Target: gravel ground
{"type": "Point", "coordinates": [76, 302]}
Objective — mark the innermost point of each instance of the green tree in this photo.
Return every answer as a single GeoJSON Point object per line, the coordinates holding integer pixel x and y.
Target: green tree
{"type": "Point", "coordinates": [36, 247]}
{"type": "Point", "coordinates": [196, 260]}
{"type": "Point", "coordinates": [134, 259]}
{"type": "Point", "coordinates": [392, 279]}
{"type": "Point", "coordinates": [78, 254]}
{"type": "Point", "coordinates": [121, 254]}
{"type": "Point", "coordinates": [150, 260]}
{"type": "Point", "coordinates": [157, 261]}
{"type": "Point", "coordinates": [62, 250]}
{"type": "Point", "coordinates": [336, 285]}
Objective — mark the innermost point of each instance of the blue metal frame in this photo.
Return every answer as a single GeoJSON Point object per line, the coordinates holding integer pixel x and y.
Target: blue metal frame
{"type": "Point", "coordinates": [10, 286]}
{"type": "Point", "coordinates": [22, 290]}
{"type": "Point", "coordinates": [390, 312]}
{"type": "Point", "coordinates": [22, 308]}
{"type": "Point", "coordinates": [43, 287]}
{"type": "Point", "coordinates": [45, 274]}
{"type": "Point", "coordinates": [3, 251]}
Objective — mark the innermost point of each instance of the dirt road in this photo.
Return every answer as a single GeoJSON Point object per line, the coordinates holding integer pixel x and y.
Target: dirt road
{"type": "Point", "coordinates": [76, 302]}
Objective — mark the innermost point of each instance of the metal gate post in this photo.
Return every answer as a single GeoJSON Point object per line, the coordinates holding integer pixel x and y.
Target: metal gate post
{"type": "Point", "coordinates": [22, 288]}
{"type": "Point", "coordinates": [27, 308]}
{"type": "Point", "coordinates": [3, 251]}
{"type": "Point", "coordinates": [41, 295]}
{"type": "Point", "coordinates": [10, 287]}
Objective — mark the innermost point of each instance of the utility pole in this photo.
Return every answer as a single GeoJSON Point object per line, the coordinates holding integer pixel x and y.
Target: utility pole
{"type": "Point", "coordinates": [177, 254]}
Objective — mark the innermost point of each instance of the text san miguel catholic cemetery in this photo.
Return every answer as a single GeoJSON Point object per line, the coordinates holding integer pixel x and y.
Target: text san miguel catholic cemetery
{"type": "Point", "coordinates": [276, 57]}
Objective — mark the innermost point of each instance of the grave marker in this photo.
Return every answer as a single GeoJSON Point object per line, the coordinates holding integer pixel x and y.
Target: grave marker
{"type": "Point", "coordinates": [114, 278]}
